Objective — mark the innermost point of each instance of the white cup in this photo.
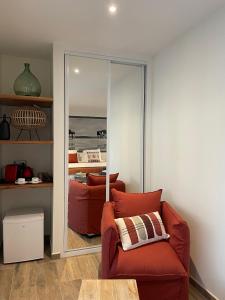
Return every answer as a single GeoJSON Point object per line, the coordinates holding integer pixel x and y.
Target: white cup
{"type": "Point", "coordinates": [35, 180]}
{"type": "Point", "coordinates": [21, 180]}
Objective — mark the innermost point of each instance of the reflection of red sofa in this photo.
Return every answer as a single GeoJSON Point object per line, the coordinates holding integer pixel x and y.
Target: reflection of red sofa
{"type": "Point", "coordinates": [85, 204]}
{"type": "Point", "coordinates": [161, 269]}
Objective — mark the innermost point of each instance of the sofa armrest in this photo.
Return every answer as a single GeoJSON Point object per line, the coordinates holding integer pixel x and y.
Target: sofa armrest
{"type": "Point", "coordinates": [109, 237]}
{"type": "Point", "coordinates": [179, 233]}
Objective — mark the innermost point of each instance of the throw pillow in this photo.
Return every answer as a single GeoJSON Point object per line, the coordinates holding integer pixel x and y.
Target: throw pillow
{"type": "Point", "coordinates": [128, 204]}
{"type": "Point", "coordinates": [92, 155]}
{"type": "Point", "coordinates": [140, 230]}
{"type": "Point", "coordinates": [80, 157]}
{"type": "Point", "coordinates": [73, 158]}
{"type": "Point", "coordinates": [100, 180]}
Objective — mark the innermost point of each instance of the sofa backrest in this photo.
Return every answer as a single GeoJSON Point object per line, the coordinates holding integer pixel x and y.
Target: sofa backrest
{"type": "Point", "coordinates": [81, 192]}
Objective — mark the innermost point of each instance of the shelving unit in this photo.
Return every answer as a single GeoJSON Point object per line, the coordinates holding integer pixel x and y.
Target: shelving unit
{"type": "Point", "coordinates": [35, 150]}
{"type": "Point", "coordinates": [14, 100]}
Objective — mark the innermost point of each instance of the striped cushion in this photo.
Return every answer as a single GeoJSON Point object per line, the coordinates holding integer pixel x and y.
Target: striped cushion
{"type": "Point", "coordinates": [92, 155]}
{"type": "Point", "coordinates": [139, 230]}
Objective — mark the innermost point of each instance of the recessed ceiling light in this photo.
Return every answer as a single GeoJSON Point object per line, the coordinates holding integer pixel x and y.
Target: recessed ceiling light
{"type": "Point", "coordinates": [112, 9]}
{"type": "Point", "coordinates": [77, 71]}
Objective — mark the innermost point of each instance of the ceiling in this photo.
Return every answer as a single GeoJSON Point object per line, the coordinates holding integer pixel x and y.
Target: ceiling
{"type": "Point", "coordinates": [139, 29]}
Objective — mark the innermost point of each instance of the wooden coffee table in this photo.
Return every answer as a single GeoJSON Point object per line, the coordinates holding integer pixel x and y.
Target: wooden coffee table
{"type": "Point", "coordinates": [109, 289]}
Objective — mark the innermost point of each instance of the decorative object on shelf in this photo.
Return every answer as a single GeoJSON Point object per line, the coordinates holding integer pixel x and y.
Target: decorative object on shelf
{"type": "Point", "coordinates": [11, 172]}
{"type": "Point", "coordinates": [20, 180]}
{"type": "Point", "coordinates": [35, 180]}
{"type": "Point", "coordinates": [27, 173]}
{"type": "Point", "coordinates": [18, 169]}
{"type": "Point", "coordinates": [102, 133]}
{"type": "Point", "coordinates": [5, 128]}
{"type": "Point", "coordinates": [27, 84]}
{"type": "Point", "coordinates": [28, 119]}
{"type": "Point", "coordinates": [45, 177]}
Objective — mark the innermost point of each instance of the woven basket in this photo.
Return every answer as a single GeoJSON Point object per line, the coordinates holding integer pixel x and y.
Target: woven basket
{"type": "Point", "coordinates": [28, 118]}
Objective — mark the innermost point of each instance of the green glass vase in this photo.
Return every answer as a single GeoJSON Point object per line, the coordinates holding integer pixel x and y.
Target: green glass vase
{"type": "Point", "coordinates": [27, 84]}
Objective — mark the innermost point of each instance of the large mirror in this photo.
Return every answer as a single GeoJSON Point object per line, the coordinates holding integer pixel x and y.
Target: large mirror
{"type": "Point", "coordinates": [104, 141]}
{"type": "Point", "coordinates": [87, 88]}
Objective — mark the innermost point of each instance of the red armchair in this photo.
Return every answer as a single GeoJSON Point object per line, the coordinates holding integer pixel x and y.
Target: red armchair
{"type": "Point", "coordinates": [161, 269]}
{"type": "Point", "coordinates": [85, 205]}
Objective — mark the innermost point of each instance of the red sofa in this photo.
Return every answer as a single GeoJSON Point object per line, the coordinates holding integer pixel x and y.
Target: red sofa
{"type": "Point", "coordinates": [85, 204]}
{"type": "Point", "coordinates": [161, 269]}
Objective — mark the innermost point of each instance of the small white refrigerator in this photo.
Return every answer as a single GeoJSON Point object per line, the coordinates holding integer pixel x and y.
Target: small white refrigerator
{"type": "Point", "coordinates": [23, 235]}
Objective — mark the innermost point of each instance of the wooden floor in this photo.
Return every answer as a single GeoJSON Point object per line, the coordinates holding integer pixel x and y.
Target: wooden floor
{"type": "Point", "coordinates": [52, 279]}
{"type": "Point", "coordinates": [76, 240]}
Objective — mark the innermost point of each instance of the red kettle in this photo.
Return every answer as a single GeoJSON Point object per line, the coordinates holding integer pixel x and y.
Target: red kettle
{"type": "Point", "coordinates": [27, 173]}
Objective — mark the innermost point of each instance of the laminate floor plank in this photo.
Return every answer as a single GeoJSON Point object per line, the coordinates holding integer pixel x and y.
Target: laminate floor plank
{"type": "Point", "coordinates": [25, 275]}
{"type": "Point", "coordinates": [49, 292]}
{"type": "Point", "coordinates": [29, 293]}
{"type": "Point", "coordinates": [88, 266]}
{"type": "Point", "coordinates": [47, 275]}
{"type": "Point", "coordinates": [65, 271]}
{"type": "Point", "coordinates": [5, 283]}
{"type": "Point", "coordinates": [7, 266]}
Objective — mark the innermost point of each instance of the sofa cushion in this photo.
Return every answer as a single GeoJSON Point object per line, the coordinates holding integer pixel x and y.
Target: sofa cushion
{"type": "Point", "coordinates": [128, 205]}
{"type": "Point", "coordinates": [140, 230]}
{"type": "Point", "coordinates": [100, 180]}
{"type": "Point", "coordinates": [157, 261]}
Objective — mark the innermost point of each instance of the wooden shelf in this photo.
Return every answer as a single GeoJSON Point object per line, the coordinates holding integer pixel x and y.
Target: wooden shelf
{"type": "Point", "coordinates": [9, 142]}
{"type": "Point", "coordinates": [10, 186]}
{"type": "Point", "coordinates": [14, 100]}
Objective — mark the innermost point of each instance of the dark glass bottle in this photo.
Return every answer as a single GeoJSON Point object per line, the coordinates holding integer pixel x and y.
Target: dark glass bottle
{"type": "Point", "coordinates": [5, 128]}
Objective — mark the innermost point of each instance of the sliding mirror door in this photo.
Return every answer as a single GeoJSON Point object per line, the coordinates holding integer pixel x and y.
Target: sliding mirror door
{"type": "Point", "coordinates": [126, 124]}
{"type": "Point", "coordinates": [104, 130]}
{"type": "Point", "coordinates": [86, 129]}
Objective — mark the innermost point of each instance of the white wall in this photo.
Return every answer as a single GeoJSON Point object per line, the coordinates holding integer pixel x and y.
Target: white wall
{"type": "Point", "coordinates": [188, 142]}
{"type": "Point", "coordinates": [39, 157]}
